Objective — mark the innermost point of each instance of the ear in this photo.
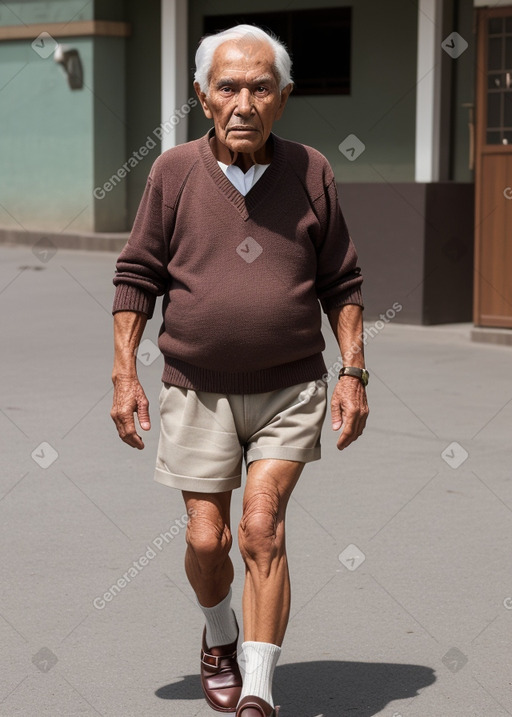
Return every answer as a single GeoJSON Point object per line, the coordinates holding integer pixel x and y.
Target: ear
{"type": "Point", "coordinates": [285, 93]}
{"type": "Point", "coordinates": [203, 100]}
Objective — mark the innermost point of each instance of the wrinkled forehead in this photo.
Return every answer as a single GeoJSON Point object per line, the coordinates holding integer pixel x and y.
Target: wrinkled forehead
{"type": "Point", "coordinates": [249, 57]}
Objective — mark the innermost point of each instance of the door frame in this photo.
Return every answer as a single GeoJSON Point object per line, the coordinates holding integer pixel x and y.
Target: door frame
{"type": "Point", "coordinates": [482, 148]}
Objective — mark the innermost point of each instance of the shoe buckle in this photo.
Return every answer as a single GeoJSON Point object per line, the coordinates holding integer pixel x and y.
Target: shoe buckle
{"type": "Point", "coordinates": [214, 660]}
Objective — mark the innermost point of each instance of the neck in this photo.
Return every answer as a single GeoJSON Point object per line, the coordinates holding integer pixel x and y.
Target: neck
{"type": "Point", "coordinates": [244, 160]}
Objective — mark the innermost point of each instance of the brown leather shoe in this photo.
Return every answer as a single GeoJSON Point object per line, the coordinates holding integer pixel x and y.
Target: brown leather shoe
{"type": "Point", "coordinates": [220, 676]}
{"type": "Point", "coordinates": [255, 707]}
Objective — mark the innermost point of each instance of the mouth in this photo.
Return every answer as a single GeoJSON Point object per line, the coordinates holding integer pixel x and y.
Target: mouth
{"type": "Point", "coordinates": [242, 129]}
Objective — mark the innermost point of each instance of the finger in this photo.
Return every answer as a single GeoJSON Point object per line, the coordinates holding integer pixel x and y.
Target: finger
{"type": "Point", "coordinates": [355, 427]}
{"type": "Point", "coordinates": [126, 429]}
{"type": "Point", "coordinates": [350, 429]}
{"type": "Point", "coordinates": [336, 415]}
{"type": "Point", "coordinates": [143, 413]}
{"type": "Point", "coordinates": [136, 442]}
{"type": "Point", "coordinates": [132, 438]}
{"type": "Point", "coordinates": [346, 435]}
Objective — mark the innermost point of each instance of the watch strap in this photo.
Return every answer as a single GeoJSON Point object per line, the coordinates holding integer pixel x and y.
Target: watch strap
{"type": "Point", "coordinates": [360, 373]}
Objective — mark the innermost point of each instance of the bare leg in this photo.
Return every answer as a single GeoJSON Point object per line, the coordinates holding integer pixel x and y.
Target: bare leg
{"type": "Point", "coordinates": [207, 562]}
{"type": "Point", "coordinates": [266, 598]}
{"type": "Point", "coordinates": [210, 572]}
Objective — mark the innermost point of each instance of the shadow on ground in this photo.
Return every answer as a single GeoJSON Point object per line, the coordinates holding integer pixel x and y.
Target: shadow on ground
{"type": "Point", "coordinates": [328, 688]}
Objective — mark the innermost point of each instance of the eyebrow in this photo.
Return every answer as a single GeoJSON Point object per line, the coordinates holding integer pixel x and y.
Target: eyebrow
{"type": "Point", "coordinates": [231, 80]}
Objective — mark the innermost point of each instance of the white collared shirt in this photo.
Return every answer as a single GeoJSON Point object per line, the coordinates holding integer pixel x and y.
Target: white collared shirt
{"type": "Point", "coordinates": [243, 181]}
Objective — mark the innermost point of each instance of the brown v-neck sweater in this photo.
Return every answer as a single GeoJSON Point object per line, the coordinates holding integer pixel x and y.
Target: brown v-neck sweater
{"type": "Point", "coordinates": [243, 279]}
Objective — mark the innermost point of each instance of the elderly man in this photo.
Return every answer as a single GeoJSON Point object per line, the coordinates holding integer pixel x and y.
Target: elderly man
{"type": "Point", "coordinates": [242, 234]}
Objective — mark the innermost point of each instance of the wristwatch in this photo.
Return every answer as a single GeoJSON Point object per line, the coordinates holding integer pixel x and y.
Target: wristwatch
{"type": "Point", "coordinates": [360, 373]}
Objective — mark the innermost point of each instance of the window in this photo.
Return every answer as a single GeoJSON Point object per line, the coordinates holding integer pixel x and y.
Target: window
{"type": "Point", "coordinates": [317, 40]}
{"type": "Point", "coordinates": [499, 81]}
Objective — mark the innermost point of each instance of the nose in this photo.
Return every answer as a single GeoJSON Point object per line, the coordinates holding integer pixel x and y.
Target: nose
{"type": "Point", "coordinates": [244, 104]}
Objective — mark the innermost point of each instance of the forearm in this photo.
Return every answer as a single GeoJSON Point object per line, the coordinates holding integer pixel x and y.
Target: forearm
{"type": "Point", "coordinates": [128, 329]}
{"type": "Point", "coordinates": [347, 325]}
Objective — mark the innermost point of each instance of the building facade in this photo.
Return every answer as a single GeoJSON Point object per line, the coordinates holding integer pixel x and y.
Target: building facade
{"type": "Point", "coordinates": [399, 96]}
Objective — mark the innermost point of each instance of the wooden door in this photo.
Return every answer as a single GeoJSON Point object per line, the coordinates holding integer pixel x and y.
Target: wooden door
{"type": "Point", "coordinates": [493, 169]}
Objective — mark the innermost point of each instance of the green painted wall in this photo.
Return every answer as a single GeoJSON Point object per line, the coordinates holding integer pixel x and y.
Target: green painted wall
{"type": "Point", "coordinates": [381, 108]}
{"type": "Point", "coordinates": [24, 12]}
{"type": "Point", "coordinates": [46, 166]}
{"type": "Point", "coordinates": [57, 145]}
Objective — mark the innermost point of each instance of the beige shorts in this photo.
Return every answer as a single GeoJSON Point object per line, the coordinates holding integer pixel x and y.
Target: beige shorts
{"type": "Point", "coordinates": [205, 436]}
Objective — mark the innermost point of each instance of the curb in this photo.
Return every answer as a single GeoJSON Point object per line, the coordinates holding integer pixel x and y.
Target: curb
{"type": "Point", "coordinates": [86, 241]}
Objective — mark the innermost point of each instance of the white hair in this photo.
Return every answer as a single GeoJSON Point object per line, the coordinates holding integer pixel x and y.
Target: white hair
{"type": "Point", "coordinates": [209, 43]}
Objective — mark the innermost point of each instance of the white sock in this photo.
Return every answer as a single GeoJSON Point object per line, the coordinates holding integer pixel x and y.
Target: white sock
{"type": "Point", "coordinates": [258, 661]}
{"type": "Point", "coordinates": [221, 628]}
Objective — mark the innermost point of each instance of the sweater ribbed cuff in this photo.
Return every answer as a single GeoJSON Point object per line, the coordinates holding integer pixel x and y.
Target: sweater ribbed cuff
{"type": "Point", "coordinates": [131, 298]}
{"type": "Point", "coordinates": [352, 295]}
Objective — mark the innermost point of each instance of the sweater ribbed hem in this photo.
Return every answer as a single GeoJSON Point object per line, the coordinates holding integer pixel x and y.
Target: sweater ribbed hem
{"type": "Point", "coordinates": [180, 373]}
{"type": "Point", "coordinates": [131, 298]}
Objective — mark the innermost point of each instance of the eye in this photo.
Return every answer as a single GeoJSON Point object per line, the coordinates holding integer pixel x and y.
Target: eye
{"type": "Point", "coordinates": [261, 89]}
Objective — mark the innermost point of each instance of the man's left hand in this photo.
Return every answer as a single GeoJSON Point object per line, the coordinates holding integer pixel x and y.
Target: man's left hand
{"type": "Point", "coordinates": [349, 410]}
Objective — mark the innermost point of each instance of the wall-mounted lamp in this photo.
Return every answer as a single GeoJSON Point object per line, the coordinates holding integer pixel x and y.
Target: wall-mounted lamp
{"type": "Point", "coordinates": [69, 59]}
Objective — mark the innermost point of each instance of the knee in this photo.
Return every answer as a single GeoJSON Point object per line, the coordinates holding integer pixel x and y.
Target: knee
{"type": "Point", "coordinates": [209, 539]}
{"type": "Point", "coordinates": [261, 531]}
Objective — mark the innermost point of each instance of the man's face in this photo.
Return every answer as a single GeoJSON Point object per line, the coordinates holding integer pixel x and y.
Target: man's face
{"type": "Point", "coordinates": [243, 96]}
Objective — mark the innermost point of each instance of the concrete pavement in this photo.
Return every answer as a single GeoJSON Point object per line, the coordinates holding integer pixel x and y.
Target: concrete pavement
{"type": "Point", "coordinates": [399, 547]}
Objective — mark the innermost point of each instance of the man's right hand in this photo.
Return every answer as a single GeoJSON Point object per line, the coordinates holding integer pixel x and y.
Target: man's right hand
{"type": "Point", "coordinates": [129, 398]}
